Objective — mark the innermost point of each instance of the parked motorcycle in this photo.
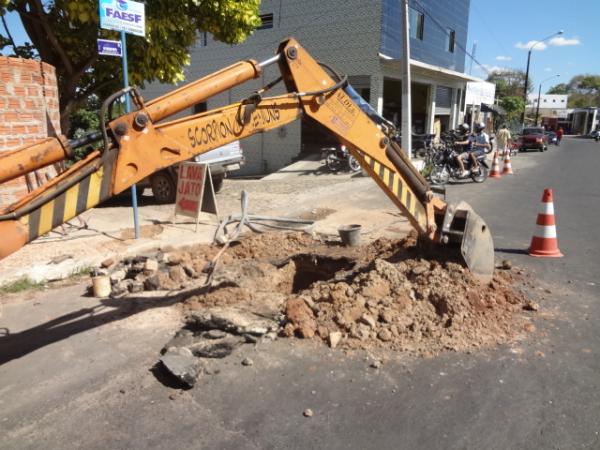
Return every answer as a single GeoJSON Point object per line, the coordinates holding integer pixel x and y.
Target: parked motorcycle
{"type": "Point", "coordinates": [445, 167]}
{"type": "Point", "coordinates": [339, 158]}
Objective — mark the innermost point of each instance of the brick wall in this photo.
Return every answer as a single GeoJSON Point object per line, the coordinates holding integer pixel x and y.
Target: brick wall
{"type": "Point", "coordinates": [29, 111]}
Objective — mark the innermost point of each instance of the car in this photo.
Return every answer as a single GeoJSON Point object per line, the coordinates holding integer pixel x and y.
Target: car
{"type": "Point", "coordinates": [222, 161]}
{"type": "Point", "coordinates": [595, 135]}
{"type": "Point", "coordinates": [533, 138]}
{"type": "Point", "coordinates": [552, 138]}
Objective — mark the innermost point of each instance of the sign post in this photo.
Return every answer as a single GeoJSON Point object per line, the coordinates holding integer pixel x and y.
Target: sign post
{"type": "Point", "coordinates": [195, 191]}
{"type": "Point", "coordinates": [127, 17]}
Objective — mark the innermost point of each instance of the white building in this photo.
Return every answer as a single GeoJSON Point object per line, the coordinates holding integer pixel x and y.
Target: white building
{"type": "Point", "coordinates": [548, 102]}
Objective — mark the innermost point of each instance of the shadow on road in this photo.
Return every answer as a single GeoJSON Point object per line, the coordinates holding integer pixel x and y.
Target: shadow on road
{"type": "Point", "coordinates": [512, 251]}
{"type": "Point", "coordinates": [14, 346]}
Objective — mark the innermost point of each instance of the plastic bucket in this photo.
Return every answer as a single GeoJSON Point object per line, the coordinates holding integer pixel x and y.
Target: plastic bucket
{"type": "Point", "coordinates": [350, 235]}
{"type": "Point", "coordinates": [101, 286]}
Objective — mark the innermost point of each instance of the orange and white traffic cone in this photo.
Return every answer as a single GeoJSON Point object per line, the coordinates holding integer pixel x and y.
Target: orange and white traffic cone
{"type": "Point", "coordinates": [507, 169]}
{"type": "Point", "coordinates": [544, 242]}
{"type": "Point", "coordinates": [495, 173]}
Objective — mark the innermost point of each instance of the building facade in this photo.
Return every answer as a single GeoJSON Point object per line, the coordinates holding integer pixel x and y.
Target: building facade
{"type": "Point", "coordinates": [550, 105]}
{"type": "Point", "coordinates": [361, 39]}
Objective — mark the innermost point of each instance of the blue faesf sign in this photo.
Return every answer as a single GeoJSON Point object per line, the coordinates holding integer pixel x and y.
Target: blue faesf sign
{"type": "Point", "coordinates": [109, 48]}
{"type": "Point", "coordinates": [123, 15]}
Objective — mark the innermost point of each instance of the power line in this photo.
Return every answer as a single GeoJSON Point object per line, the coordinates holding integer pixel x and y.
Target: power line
{"type": "Point", "coordinates": [490, 29]}
{"type": "Point", "coordinates": [445, 30]}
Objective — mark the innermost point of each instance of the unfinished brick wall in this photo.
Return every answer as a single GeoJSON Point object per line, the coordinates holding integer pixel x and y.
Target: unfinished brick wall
{"type": "Point", "coordinates": [29, 111]}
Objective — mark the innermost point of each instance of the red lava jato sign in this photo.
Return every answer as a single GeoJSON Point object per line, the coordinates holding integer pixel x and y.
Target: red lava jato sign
{"type": "Point", "coordinates": [190, 188]}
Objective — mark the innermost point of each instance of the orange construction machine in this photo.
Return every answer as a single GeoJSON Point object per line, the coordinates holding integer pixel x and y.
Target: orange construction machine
{"type": "Point", "coordinates": [138, 144]}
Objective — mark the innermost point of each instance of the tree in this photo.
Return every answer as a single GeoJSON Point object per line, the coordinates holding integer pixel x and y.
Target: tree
{"type": "Point", "coordinates": [583, 91]}
{"type": "Point", "coordinates": [514, 106]}
{"type": "Point", "coordinates": [509, 83]}
{"type": "Point", "coordinates": [559, 89]}
{"type": "Point", "coordinates": [64, 33]}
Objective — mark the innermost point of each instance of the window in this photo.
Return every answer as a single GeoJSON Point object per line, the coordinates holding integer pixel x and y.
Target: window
{"type": "Point", "coordinates": [417, 23]}
{"type": "Point", "coordinates": [450, 39]}
{"type": "Point", "coordinates": [266, 21]}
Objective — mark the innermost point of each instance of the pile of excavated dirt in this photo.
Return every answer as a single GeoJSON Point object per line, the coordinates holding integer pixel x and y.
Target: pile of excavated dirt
{"type": "Point", "coordinates": [415, 305]}
{"type": "Point", "coordinates": [389, 294]}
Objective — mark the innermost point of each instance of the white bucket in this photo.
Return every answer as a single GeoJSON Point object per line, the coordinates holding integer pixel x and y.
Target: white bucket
{"type": "Point", "coordinates": [101, 286]}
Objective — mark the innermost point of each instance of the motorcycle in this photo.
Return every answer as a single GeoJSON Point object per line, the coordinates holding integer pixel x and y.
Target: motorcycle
{"type": "Point", "coordinates": [339, 158]}
{"type": "Point", "coordinates": [445, 167]}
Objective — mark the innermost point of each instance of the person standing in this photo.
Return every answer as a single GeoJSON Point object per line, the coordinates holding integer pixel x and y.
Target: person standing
{"type": "Point", "coordinates": [503, 137]}
{"type": "Point", "coordinates": [559, 135]}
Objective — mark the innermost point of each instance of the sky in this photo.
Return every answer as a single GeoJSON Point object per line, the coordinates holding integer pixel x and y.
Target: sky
{"type": "Point", "coordinates": [503, 29]}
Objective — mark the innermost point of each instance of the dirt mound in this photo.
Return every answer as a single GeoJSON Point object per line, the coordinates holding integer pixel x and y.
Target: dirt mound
{"type": "Point", "coordinates": [382, 295]}
{"type": "Point", "coordinates": [415, 305]}
{"type": "Point", "coordinates": [393, 294]}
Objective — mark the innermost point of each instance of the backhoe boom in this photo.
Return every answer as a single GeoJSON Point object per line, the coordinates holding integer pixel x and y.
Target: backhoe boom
{"type": "Point", "coordinates": [137, 145]}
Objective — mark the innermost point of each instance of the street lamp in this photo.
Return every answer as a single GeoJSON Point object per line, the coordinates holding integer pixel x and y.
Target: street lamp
{"type": "Point", "coordinates": [537, 110]}
{"type": "Point", "coordinates": [558, 33]}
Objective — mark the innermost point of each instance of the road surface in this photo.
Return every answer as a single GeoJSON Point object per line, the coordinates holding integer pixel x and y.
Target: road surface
{"type": "Point", "coordinates": [76, 377]}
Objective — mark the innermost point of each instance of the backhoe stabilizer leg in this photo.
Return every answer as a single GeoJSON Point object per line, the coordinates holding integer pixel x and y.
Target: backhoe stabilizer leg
{"type": "Point", "coordinates": [463, 227]}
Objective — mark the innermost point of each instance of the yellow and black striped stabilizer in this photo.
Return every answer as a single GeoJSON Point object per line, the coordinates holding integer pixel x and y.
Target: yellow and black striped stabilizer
{"type": "Point", "coordinates": [397, 189]}
{"type": "Point", "coordinates": [79, 198]}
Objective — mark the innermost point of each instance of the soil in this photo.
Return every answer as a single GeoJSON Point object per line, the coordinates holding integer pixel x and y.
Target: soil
{"type": "Point", "coordinates": [388, 294]}
{"type": "Point", "coordinates": [146, 231]}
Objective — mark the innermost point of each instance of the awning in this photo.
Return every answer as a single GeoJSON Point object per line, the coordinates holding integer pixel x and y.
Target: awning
{"type": "Point", "coordinates": [427, 70]}
{"type": "Point", "coordinates": [495, 109]}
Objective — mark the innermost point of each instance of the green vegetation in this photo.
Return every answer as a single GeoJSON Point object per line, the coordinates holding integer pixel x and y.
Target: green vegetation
{"type": "Point", "coordinates": [583, 91]}
{"type": "Point", "coordinates": [20, 285]}
{"type": "Point", "coordinates": [509, 83]}
{"type": "Point", "coordinates": [513, 105]}
{"type": "Point", "coordinates": [64, 33]}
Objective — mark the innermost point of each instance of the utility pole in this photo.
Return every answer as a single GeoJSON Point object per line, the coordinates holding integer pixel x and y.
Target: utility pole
{"type": "Point", "coordinates": [406, 91]}
{"type": "Point", "coordinates": [473, 51]}
{"type": "Point", "coordinates": [558, 33]}
{"type": "Point", "coordinates": [537, 110]}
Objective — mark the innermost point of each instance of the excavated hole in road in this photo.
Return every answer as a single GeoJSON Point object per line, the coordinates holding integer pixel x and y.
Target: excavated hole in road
{"type": "Point", "coordinates": [388, 294]}
{"type": "Point", "coordinates": [310, 268]}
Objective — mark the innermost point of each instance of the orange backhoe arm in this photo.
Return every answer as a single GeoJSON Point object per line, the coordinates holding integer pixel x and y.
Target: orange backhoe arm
{"type": "Point", "coordinates": [138, 144]}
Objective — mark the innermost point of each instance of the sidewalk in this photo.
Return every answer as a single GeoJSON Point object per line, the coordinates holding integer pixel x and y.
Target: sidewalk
{"type": "Point", "coordinates": [107, 231]}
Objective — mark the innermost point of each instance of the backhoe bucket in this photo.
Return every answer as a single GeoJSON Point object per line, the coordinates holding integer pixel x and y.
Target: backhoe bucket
{"type": "Point", "coordinates": [464, 227]}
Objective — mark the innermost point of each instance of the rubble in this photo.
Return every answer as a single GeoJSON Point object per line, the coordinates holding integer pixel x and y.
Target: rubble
{"type": "Point", "coordinates": [181, 363]}
{"type": "Point", "coordinates": [232, 320]}
{"type": "Point", "coordinates": [247, 362]}
{"type": "Point", "coordinates": [388, 294]}
{"type": "Point", "coordinates": [334, 339]}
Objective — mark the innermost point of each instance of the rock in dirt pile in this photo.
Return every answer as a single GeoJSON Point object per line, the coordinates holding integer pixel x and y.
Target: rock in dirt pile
{"type": "Point", "coordinates": [386, 294]}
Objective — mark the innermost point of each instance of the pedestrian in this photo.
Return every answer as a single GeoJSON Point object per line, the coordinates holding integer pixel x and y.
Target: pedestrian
{"type": "Point", "coordinates": [503, 138]}
{"type": "Point", "coordinates": [559, 135]}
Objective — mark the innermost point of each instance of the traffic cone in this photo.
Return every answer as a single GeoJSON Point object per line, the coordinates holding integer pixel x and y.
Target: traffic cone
{"type": "Point", "coordinates": [507, 169]}
{"type": "Point", "coordinates": [495, 173]}
{"type": "Point", "coordinates": [544, 242]}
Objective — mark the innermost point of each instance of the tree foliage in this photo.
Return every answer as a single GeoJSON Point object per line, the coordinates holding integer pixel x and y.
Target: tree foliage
{"type": "Point", "coordinates": [514, 106]}
{"type": "Point", "coordinates": [509, 83]}
{"type": "Point", "coordinates": [583, 91]}
{"type": "Point", "coordinates": [559, 89]}
{"type": "Point", "coordinates": [64, 33]}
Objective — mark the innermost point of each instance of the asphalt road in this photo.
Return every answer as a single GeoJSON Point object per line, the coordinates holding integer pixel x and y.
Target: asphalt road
{"type": "Point", "coordinates": [73, 377]}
